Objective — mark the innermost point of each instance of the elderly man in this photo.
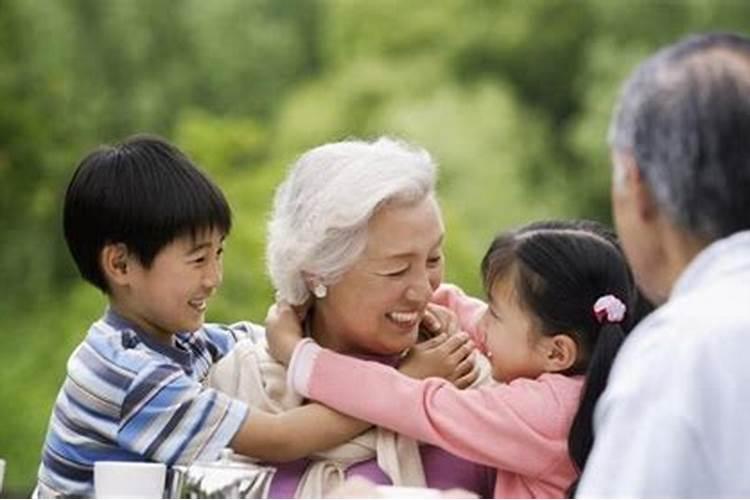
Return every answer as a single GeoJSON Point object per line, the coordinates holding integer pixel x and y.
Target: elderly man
{"type": "Point", "coordinates": [675, 418]}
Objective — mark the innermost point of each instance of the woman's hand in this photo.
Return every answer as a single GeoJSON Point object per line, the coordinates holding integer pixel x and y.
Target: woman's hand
{"type": "Point", "coordinates": [283, 331]}
{"type": "Point", "coordinates": [445, 356]}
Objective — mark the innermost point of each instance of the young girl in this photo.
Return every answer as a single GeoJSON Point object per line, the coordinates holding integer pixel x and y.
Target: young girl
{"type": "Point", "coordinates": [559, 300]}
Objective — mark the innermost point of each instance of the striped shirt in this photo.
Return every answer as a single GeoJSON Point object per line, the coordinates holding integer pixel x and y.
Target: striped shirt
{"type": "Point", "coordinates": [127, 397]}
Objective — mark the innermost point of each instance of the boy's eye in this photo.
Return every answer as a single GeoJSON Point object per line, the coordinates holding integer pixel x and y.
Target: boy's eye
{"type": "Point", "coordinates": [433, 261]}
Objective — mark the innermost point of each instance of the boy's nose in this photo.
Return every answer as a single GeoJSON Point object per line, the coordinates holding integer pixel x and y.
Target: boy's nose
{"type": "Point", "coordinates": [213, 276]}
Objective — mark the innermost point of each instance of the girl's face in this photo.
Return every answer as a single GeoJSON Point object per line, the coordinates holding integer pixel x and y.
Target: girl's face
{"type": "Point", "coordinates": [513, 343]}
{"type": "Point", "coordinates": [377, 305]}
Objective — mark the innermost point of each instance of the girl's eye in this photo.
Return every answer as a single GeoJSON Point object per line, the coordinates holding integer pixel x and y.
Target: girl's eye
{"type": "Point", "coordinates": [434, 261]}
{"type": "Point", "coordinates": [494, 314]}
{"type": "Point", "coordinates": [200, 260]}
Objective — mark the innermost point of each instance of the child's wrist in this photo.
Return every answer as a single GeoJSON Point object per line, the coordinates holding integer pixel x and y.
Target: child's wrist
{"type": "Point", "coordinates": [301, 365]}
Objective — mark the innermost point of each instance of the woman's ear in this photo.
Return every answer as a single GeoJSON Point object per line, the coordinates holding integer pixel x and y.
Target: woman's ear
{"type": "Point", "coordinates": [315, 285]}
{"type": "Point", "coordinates": [561, 352]}
{"type": "Point", "coordinates": [114, 260]}
{"type": "Point", "coordinates": [310, 279]}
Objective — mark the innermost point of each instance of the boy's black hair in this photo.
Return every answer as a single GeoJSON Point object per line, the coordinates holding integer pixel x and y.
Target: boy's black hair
{"type": "Point", "coordinates": [560, 269]}
{"type": "Point", "coordinates": [144, 193]}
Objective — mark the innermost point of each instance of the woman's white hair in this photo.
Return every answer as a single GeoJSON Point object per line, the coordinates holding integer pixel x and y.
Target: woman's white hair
{"type": "Point", "coordinates": [320, 214]}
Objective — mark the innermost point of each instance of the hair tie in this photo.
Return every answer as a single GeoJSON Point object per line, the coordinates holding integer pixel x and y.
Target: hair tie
{"type": "Point", "coordinates": [610, 309]}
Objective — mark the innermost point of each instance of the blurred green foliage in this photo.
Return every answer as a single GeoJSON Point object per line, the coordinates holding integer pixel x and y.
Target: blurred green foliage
{"type": "Point", "coordinates": [512, 98]}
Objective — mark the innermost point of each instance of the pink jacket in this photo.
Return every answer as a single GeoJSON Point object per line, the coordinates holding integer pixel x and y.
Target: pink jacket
{"type": "Point", "coordinates": [520, 428]}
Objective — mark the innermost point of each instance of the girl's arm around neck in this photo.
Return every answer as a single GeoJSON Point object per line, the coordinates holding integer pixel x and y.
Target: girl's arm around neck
{"type": "Point", "coordinates": [520, 427]}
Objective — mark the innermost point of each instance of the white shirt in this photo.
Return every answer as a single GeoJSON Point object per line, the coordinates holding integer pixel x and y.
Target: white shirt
{"type": "Point", "coordinates": [674, 419]}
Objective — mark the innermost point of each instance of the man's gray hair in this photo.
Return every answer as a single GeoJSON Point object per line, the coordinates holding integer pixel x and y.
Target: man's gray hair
{"type": "Point", "coordinates": [321, 210]}
{"type": "Point", "coordinates": [684, 116]}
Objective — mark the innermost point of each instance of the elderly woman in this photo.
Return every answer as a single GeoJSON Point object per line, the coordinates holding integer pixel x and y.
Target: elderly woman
{"type": "Point", "coordinates": [356, 233]}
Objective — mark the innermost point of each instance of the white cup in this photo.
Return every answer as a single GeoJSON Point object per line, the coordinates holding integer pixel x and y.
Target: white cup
{"type": "Point", "coordinates": [129, 479]}
{"type": "Point", "coordinates": [407, 492]}
{"type": "Point", "coordinates": [2, 473]}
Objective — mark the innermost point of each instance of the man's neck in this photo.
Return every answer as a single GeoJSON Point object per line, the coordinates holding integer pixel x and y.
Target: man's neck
{"type": "Point", "coordinates": [680, 248]}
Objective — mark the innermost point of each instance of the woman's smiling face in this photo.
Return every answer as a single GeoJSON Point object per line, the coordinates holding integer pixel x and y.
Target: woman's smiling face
{"type": "Point", "coordinates": [376, 306]}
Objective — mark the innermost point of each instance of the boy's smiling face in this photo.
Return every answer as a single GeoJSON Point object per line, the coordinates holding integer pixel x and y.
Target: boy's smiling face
{"type": "Point", "coordinates": [171, 296]}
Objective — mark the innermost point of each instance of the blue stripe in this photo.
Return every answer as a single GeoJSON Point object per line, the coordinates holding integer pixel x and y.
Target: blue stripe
{"type": "Point", "coordinates": [78, 472]}
{"type": "Point", "coordinates": [75, 428]}
{"type": "Point", "coordinates": [86, 409]}
{"type": "Point", "coordinates": [148, 387]}
{"type": "Point", "coordinates": [101, 368]}
{"type": "Point", "coordinates": [196, 429]}
{"type": "Point", "coordinates": [166, 432]}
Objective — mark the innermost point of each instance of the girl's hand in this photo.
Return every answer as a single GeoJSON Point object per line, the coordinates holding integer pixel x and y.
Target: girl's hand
{"type": "Point", "coordinates": [283, 331]}
{"type": "Point", "coordinates": [438, 319]}
{"type": "Point", "coordinates": [449, 357]}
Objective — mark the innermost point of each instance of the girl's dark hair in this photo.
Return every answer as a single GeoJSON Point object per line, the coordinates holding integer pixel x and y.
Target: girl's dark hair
{"type": "Point", "coordinates": [144, 193]}
{"type": "Point", "coordinates": [560, 269]}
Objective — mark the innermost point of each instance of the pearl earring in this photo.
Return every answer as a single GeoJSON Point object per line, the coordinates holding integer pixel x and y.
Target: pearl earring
{"type": "Point", "coordinates": [320, 290]}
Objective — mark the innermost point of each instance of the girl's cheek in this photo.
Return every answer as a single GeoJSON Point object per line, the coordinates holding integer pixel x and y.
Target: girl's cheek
{"type": "Point", "coordinates": [481, 339]}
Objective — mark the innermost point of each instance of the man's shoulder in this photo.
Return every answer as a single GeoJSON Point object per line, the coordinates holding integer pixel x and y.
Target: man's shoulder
{"type": "Point", "coordinates": [679, 339]}
{"type": "Point", "coordinates": [701, 318]}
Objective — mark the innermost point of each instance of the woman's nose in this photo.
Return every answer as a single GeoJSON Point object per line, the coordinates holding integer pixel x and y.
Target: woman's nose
{"type": "Point", "coordinates": [420, 290]}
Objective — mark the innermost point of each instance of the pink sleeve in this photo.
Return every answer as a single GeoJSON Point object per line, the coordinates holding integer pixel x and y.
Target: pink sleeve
{"type": "Point", "coordinates": [521, 427]}
{"type": "Point", "coordinates": [468, 309]}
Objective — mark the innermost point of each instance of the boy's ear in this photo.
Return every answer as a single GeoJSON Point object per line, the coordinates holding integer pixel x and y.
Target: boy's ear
{"type": "Point", "coordinates": [115, 263]}
{"type": "Point", "coordinates": [561, 352]}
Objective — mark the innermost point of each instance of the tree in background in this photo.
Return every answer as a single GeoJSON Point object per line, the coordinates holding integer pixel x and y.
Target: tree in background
{"type": "Point", "coordinates": [511, 97]}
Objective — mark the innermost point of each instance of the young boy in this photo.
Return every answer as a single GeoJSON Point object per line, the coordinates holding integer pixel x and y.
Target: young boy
{"type": "Point", "coordinates": [147, 227]}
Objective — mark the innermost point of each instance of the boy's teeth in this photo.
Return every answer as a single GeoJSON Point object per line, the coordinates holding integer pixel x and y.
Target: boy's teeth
{"type": "Point", "coordinates": [198, 304]}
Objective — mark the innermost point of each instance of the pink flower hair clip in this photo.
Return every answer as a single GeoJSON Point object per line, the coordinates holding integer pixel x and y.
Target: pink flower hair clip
{"type": "Point", "coordinates": [610, 309]}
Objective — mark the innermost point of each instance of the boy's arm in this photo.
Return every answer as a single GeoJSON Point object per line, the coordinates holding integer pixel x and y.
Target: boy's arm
{"type": "Point", "coordinates": [299, 432]}
{"type": "Point", "coordinates": [168, 417]}
{"type": "Point", "coordinates": [294, 434]}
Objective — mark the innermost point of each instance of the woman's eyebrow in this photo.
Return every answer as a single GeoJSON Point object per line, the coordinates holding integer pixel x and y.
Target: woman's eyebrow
{"type": "Point", "coordinates": [409, 253]}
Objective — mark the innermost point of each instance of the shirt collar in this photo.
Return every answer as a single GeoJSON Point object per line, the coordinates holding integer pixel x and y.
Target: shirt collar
{"type": "Point", "coordinates": [134, 332]}
{"type": "Point", "coordinates": [723, 257]}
